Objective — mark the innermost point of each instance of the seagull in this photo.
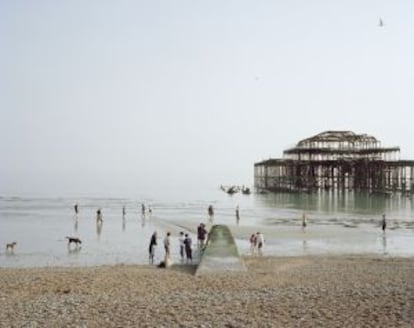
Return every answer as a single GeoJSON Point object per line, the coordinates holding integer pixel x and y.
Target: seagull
{"type": "Point", "coordinates": [381, 23]}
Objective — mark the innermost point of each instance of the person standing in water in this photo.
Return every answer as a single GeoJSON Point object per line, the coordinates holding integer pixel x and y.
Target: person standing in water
{"type": "Point", "coordinates": [210, 211]}
{"type": "Point", "coordinates": [384, 223]}
{"type": "Point", "coordinates": [237, 214]}
{"type": "Point", "coordinates": [76, 209]}
{"type": "Point", "coordinates": [304, 221]}
{"type": "Point", "coordinates": [99, 216]}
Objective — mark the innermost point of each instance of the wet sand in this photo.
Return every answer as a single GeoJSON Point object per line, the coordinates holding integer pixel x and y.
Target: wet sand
{"type": "Point", "coordinates": [307, 291]}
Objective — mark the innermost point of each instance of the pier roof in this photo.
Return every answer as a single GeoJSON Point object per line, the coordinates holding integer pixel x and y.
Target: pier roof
{"type": "Point", "coordinates": [340, 142]}
{"type": "Point", "coordinates": [339, 136]}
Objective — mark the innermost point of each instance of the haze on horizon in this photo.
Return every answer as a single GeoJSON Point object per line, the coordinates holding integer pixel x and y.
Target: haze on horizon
{"type": "Point", "coordinates": [113, 97]}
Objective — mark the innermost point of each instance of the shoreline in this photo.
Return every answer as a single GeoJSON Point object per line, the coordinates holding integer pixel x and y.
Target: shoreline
{"type": "Point", "coordinates": [306, 291]}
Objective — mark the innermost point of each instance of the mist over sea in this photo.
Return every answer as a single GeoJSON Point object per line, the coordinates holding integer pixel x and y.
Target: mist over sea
{"type": "Point", "coordinates": [338, 224]}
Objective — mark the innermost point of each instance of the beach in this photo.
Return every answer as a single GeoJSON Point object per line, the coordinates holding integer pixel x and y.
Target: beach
{"type": "Point", "coordinates": [300, 291]}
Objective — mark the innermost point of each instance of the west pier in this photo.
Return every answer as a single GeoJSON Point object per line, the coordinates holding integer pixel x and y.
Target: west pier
{"type": "Point", "coordinates": [337, 160]}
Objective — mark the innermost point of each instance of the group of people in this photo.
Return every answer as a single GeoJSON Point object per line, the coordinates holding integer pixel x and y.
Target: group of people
{"type": "Point", "coordinates": [185, 244]}
{"type": "Point", "coordinates": [143, 209]}
{"type": "Point", "coordinates": [99, 216]}
{"type": "Point", "coordinates": [256, 243]}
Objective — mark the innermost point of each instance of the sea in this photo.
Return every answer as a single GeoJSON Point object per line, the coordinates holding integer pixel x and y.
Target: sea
{"type": "Point", "coordinates": [338, 224]}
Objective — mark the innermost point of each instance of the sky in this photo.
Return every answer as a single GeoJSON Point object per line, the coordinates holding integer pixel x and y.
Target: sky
{"type": "Point", "coordinates": [116, 97]}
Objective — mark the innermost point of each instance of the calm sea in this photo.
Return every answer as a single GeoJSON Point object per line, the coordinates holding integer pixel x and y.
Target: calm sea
{"type": "Point", "coordinates": [338, 224]}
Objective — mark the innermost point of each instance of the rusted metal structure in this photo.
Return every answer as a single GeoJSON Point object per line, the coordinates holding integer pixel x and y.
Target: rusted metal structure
{"type": "Point", "coordinates": [337, 160]}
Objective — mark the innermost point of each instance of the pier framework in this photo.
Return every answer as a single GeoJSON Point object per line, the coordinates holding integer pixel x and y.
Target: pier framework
{"type": "Point", "coordinates": [337, 160]}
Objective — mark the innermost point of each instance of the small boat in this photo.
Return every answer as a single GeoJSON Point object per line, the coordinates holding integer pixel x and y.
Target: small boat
{"type": "Point", "coordinates": [246, 191]}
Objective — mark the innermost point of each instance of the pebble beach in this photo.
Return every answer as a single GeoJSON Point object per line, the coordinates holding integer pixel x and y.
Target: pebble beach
{"type": "Point", "coordinates": [303, 291]}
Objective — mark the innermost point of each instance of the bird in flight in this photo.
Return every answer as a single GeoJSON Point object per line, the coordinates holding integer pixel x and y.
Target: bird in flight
{"type": "Point", "coordinates": [381, 23]}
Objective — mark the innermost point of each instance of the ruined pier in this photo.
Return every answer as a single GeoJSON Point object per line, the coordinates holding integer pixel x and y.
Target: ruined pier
{"type": "Point", "coordinates": [337, 160]}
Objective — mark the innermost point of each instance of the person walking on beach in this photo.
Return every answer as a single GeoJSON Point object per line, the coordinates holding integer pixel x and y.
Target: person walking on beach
{"type": "Point", "coordinates": [152, 245]}
{"type": "Point", "coordinates": [181, 240]}
{"type": "Point", "coordinates": [143, 209]}
{"type": "Point", "coordinates": [167, 246]}
{"type": "Point", "coordinates": [188, 250]}
{"type": "Point", "coordinates": [260, 242]}
{"type": "Point", "coordinates": [201, 235]}
{"type": "Point", "coordinates": [384, 223]}
{"type": "Point", "coordinates": [123, 211]}
{"type": "Point", "coordinates": [76, 208]}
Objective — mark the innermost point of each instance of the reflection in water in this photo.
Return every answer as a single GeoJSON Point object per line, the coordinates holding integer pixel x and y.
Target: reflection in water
{"type": "Point", "coordinates": [305, 245]}
{"type": "Point", "coordinates": [99, 225]}
{"type": "Point", "coordinates": [337, 204]}
{"type": "Point", "coordinates": [384, 244]}
{"type": "Point", "coordinates": [75, 227]}
{"type": "Point", "coordinates": [123, 223]}
{"type": "Point", "coordinates": [74, 250]}
{"type": "Point", "coordinates": [143, 219]}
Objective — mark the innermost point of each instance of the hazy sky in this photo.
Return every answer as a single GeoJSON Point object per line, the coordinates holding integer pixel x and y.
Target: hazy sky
{"type": "Point", "coordinates": [119, 96]}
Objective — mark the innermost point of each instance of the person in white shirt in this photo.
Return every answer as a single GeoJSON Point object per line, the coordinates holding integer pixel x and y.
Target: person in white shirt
{"type": "Point", "coordinates": [167, 245]}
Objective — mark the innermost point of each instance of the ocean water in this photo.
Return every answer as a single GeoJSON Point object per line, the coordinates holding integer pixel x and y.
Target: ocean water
{"type": "Point", "coordinates": [338, 224]}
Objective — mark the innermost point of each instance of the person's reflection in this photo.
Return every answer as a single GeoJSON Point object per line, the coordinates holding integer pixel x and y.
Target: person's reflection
{"type": "Point", "coordinates": [384, 244]}
{"type": "Point", "coordinates": [75, 227]}
{"type": "Point", "coordinates": [123, 223]}
{"type": "Point", "coordinates": [305, 245]}
{"type": "Point", "coordinates": [143, 219]}
{"type": "Point", "coordinates": [74, 250]}
{"type": "Point", "coordinates": [99, 225]}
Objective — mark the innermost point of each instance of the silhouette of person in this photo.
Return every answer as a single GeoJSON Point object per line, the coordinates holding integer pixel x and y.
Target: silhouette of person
{"type": "Point", "coordinates": [384, 223]}
{"type": "Point", "coordinates": [304, 221]}
{"type": "Point", "coordinates": [188, 250]}
{"type": "Point", "coordinates": [152, 245]}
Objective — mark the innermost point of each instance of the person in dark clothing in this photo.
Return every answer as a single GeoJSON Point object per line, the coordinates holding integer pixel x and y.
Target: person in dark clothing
{"type": "Point", "coordinates": [152, 245]}
{"type": "Point", "coordinates": [188, 250]}
{"type": "Point", "coordinates": [201, 235]}
{"type": "Point", "coordinates": [210, 211]}
{"type": "Point", "coordinates": [384, 223]}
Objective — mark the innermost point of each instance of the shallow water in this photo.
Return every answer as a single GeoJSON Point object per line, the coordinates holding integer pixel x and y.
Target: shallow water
{"type": "Point", "coordinates": [347, 224]}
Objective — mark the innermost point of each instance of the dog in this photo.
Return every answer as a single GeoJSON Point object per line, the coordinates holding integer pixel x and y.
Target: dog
{"type": "Point", "coordinates": [74, 240]}
{"type": "Point", "coordinates": [10, 246]}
